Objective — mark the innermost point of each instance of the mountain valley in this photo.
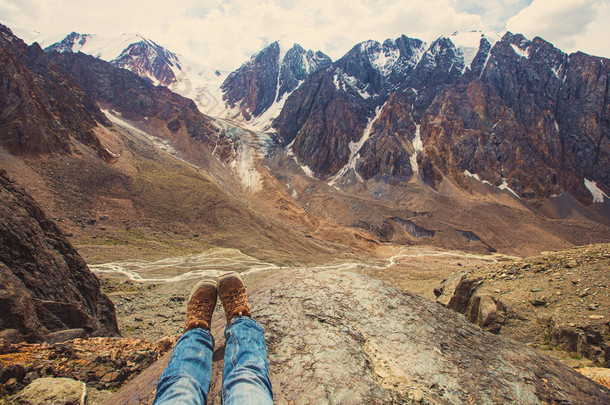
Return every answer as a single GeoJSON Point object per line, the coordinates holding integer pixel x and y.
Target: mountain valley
{"type": "Point", "coordinates": [393, 168]}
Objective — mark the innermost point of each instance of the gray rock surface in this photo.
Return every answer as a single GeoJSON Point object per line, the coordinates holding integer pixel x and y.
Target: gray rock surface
{"type": "Point", "coordinates": [339, 337]}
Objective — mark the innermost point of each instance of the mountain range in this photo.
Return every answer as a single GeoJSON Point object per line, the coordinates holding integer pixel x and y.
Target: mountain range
{"type": "Point", "coordinates": [397, 141]}
{"type": "Point", "coordinates": [467, 106]}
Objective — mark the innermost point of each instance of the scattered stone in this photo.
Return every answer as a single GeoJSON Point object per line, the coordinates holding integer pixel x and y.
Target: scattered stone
{"type": "Point", "coordinates": [104, 363]}
{"type": "Point", "coordinates": [571, 264]}
{"type": "Point", "coordinates": [15, 371]}
{"type": "Point", "coordinates": [65, 335]}
{"type": "Point", "coordinates": [5, 346]}
{"type": "Point", "coordinates": [567, 303]}
{"type": "Point", "coordinates": [537, 302]}
{"type": "Point", "coordinates": [31, 376]}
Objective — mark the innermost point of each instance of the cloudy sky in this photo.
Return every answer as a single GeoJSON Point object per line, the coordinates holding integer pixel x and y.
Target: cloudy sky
{"type": "Point", "coordinates": [227, 32]}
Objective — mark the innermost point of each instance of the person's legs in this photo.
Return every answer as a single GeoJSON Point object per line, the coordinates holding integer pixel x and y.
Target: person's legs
{"type": "Point", "coordinates": [186, 380]}
{"type": "Point", "coordinates": [246, 368]}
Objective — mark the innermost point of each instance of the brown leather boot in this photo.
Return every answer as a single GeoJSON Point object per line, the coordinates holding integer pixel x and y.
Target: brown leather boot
{"type": "Point", "coordinates": [232, 294]}
{"type": "Point", "coordinates": [200, 306]}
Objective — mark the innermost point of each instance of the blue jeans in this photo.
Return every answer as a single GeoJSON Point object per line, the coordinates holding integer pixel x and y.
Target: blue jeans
{"type": "Point", "coordinates": [186, 380]}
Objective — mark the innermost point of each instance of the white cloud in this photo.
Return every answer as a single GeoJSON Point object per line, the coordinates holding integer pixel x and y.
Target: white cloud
{"type": "Point", "coordinates": [233, 32]}
{"type": "Point", "coordinates": [230, 31]}
{"type": "Point", "coordinates": [570, 25]}
{"type": "Point", "coordinates": [493, 12]}
{"type": "Point", "coordinates": [225, 33]}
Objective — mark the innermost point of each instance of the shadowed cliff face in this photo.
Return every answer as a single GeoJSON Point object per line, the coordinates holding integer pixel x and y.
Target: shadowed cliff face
{"type": "Point", "coordinates": [45, 286]}
{"type": "Point", "coordinates": [523, 114]}
{"type": "Point", "coordinates": [42, 110]}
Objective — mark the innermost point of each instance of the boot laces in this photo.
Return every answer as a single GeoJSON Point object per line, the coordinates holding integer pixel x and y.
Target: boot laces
{"type": "Point", "coordinates": [236, 299]}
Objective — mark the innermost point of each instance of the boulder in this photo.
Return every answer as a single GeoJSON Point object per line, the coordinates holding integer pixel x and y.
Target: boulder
{"type": "Point", "coordinates": [55, 391]}
{"type": "Point", "coordinates": [65, 335]}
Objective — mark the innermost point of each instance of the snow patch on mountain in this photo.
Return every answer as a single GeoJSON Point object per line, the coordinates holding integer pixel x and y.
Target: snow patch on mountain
{"type": "Point", "coordinates": [598, 195]}
{"type": "Point", "coordinates": [100, 46]}
{"type": "Point", "coordinates": [504, 186]}
{"type": "Point", "coordinates": [344, 82]}
{"type": "Point", "coordinates": [290, 153]}
{"type": "Point", "coordinates": [470, 42]}
{"type": "Point", "coordinates": [355, 147]}
{"type": "Point", "coordinates": [474, 176]}
{"type": "Point", "coordinates": [523, 52]}
{"type": "Point", "coordinates": [418, 147]}
{"type": "Point", "coordinates": [384, 61]}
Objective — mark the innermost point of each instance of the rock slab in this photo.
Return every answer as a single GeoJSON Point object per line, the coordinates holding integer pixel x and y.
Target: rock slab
{"type": "Point", "coordinates": [339, 337]}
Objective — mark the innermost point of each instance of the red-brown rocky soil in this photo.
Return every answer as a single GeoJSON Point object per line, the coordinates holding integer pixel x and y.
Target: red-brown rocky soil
{"type": "Point", "coordinates": [101, 363]}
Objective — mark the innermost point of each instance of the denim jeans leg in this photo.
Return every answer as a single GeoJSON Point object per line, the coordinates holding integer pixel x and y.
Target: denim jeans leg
{"type": "Point", "coordinates": [246, 368]}
{"type": "Point", "coordinates": [186, 380]}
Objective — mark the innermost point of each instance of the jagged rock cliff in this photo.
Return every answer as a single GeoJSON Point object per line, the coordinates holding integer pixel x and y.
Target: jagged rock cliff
{"type": "Point", "coordinates": [341, 337]}
{"type": "Point", "coordinates": [268, 77]}
{"type": "Point", "coordinates": [520, 114]}
{"type": "Point", "coordinates": [45, 286]}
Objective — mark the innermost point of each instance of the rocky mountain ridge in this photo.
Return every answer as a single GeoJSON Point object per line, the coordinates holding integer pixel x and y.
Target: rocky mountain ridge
{"type": "Point", "coordinates": [139, 55]}
{"type": "Point", "coordinates": [261, 84]}
{"type": "Point", "coordinates": [523, 115]}
{"type": "Point", "coordinates": [42, 110]}
{"type": "Point", "coordinates": [530, 118]}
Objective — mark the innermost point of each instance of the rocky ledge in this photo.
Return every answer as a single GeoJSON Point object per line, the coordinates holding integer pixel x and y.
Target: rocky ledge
{"type": "Point", "coordinates": [340, 337]}
{"type": "Point", "coordinates": [45, 285]}
{"type": "Point", "coordinates": [558, 300]}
